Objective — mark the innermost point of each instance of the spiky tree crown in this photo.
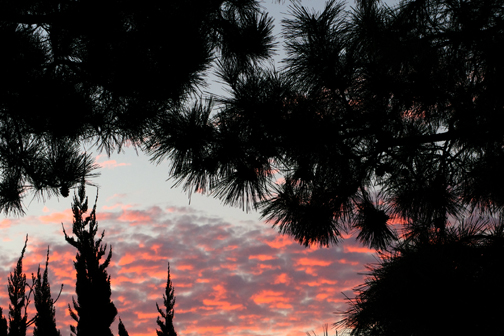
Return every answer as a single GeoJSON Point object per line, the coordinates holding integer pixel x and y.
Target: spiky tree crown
{"type": "Point", "coordinates": [94, 310]}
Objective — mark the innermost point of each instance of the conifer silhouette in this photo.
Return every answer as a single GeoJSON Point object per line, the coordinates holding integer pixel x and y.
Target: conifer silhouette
{"type": "Point", "coordinates": [165, 321]}
{"type": "Point", "coordinates": [94, 311]}
{"type": "Point", "coordinates": [122, 329]}
{"type": "Point", "coordinates": [17, 296]}
{"type": "Point", "coordinates": [45, 320]}
{"type": "Point", "coordinates": [119, 76]}
{"type": "Point", "coordinates": [440, 286]}
{"type": "Point", "coordinates": [379, 113]}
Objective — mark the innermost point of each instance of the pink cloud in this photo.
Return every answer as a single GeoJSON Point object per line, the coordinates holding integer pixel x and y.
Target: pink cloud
{"type": "Point", "coordinates": [110, 164]}
{"type": "Point", "coordinates": [229, 280]}
{"type": "Point", "coordinates": [116, 196]}
{"type": "Point", "coordinates": [57, 217]}
{"type": "Point", "coordinates": [6, 223]}
{"type": "Point", "coordinates": [134, 216]}
{"type": "Point", "coordinates": [262, 257]}
{"type": "Point", "coordinates": [117, 205]}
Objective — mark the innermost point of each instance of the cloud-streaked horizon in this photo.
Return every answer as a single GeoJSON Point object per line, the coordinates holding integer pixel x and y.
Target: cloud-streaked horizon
{"type": "Point", "coordinates": [229, 278]}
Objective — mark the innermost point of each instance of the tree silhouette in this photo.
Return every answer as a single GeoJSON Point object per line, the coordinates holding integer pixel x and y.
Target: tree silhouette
{"type": "Point", "coordinates": [445, 286]}
{"type": "Point", "coordinates": [17, 297]}
{"type": "Point", "coordinates": [122, 329]}
{"type": "Point", "coordinates": [165, 320]}
{"type": "Point", "coordinates": [379, 113]}
{"type": "Point", "coordinates": [3, 324]}
{"type": "Point", "coordinates": [66, 81]}
{"type": "Point", "coordinates": [94, 311]}
{"type": "Point", "coordinates": [45, 320]}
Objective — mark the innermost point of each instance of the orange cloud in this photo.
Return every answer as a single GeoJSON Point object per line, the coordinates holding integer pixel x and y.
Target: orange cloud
{"type": "Point", "coordinates": [262, 257]}
{"type": "Point", "coordinates": [358, 249]}
{"type": "Point", "coordinates": [344, 261]}
{"type": "Point", "coordinates": [280, 241]}
{"type": "Point", "coordinates": [143, 316]}
{"type": "Point", "coordinates": [207, 330]}
{"type": "Point", "coordinates": [273, 298]}
{"type": "Point", "coordinates": [282, 278]}
{"type": "Point", "coordinates": [319, 282]}
{"type": "Point", "coordinates": [222, 305]}
{"type": "Point", "coordinates": [312, 262]}
{"type": "Point", "coordinates": [150, 271]}
{"type": "Point", "coordinates": [185, 267]}
{"type": "Point", "coordinates": [130, 257]}
{"type": "Point", "coordinates": [134, 216]}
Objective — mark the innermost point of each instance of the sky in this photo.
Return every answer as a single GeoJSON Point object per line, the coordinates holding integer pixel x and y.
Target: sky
{"type": "Point", "coordinates": [233, 273]}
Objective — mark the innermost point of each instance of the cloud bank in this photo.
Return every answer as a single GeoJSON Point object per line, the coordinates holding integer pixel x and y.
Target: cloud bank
{"type": "Point", "coordinates": [229, 278]}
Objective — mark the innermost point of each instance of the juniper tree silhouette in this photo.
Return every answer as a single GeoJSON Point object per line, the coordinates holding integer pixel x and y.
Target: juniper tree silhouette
{"type": "Point", "coordinates": [17, 296]}
{"type": "Point", "coordinates": [165, 320]}
{"type": "Point", "coordinates": [443, 286]}
{"type": "Point", "coordinates": [65, 81]}
{"type": "Point", "coordinates": [93, 310]}
{"type": "Point", "coordinates": [379, 113]}
{"type": "Point", "coordinates": [122, 329]}
{"type": "Point", "coordinates": [45, 323]}
{"type": "Point", "coordinates": [45, 320]}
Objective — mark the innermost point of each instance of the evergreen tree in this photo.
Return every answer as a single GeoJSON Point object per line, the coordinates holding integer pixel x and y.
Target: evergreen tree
{"type": "Point", "coordinates": [122, 329]}
{"type": "Point", "coordinates": [443, 286]}
{"type": "Point", "coordinates": [3, 324]}
{"type": "Point", "coordinates": [17, 297]}
{"type": "Point", "coordinates": [45, 321]}
{"type": "Point", "coordinates": [379, 113]}
{"type": "Point", "coordinates": [165, 321]}
{"type": "Point", "coordinates": [94, 311]}
{"type": "Point", "coordinates": [65, 81]}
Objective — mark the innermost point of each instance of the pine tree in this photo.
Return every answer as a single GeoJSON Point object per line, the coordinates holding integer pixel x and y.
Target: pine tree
{"type": "Point", "coordinates": [138, 63]}
{"type": "Point", "coordinates": [18, 299]}
{"type": "Point", "coordinates": [442, 286]}
{"type": "Point", "coordinates": [379, 113]}
{"type": "Point", "coordinates": [165, 321]}
{"type": "Point", "coordinates": [45, 321]}
{"type": "Point", "coordinates": [94, 311]}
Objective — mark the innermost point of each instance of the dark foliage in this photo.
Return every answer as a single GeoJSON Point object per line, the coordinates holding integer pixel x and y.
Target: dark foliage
{"type": "Point", "coordinates": [17, 297]}
{"type": "Point", "coordinates": [445, 286]}
{"type": "Point", "coordinates": [122, 329]}
{"type": "Point", "coordinates": [165, 320]}
{"type": "Point", "coordinates": [3, 324]}
{"type": "Point", "coordinates": [45, 320]}
{"type": "Point", "coordinates": [104, 72]}
{"type": "Point", "coordinates": [404, 100]}
{"type": "Point", "coordinates": [94, 311]}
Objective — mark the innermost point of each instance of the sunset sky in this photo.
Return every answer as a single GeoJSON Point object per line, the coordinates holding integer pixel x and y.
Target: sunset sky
{"type": "Point", "coordinates": [233, 274]}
